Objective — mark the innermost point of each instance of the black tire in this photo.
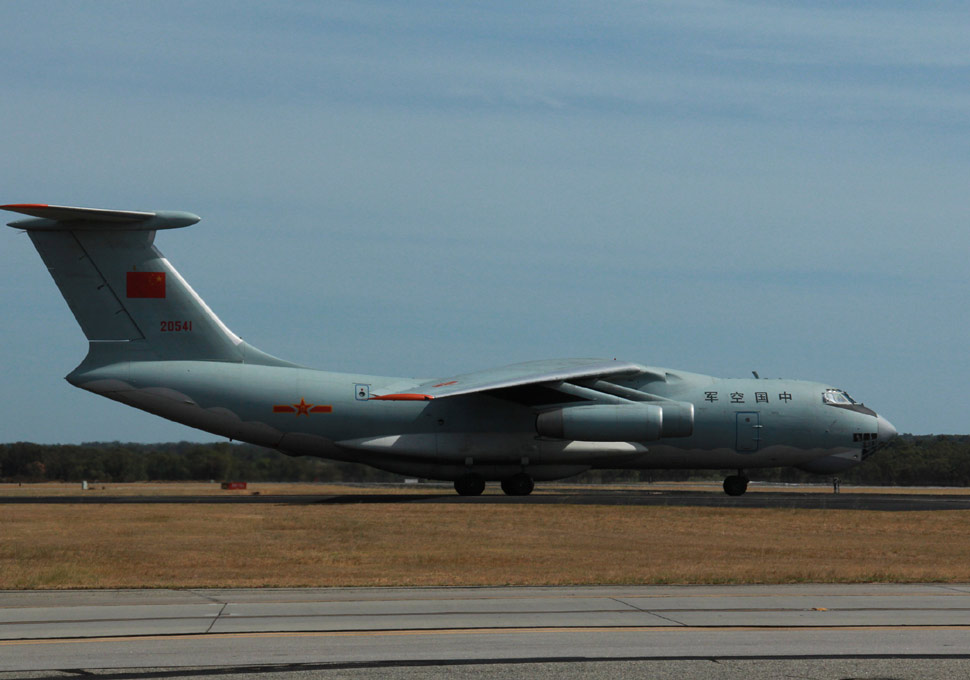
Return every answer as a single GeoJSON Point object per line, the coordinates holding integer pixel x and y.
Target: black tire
{"type": "Point", "coordinates": [519, 484]}
{"type": "Point", "coordinates": [735, 485]}
{"type": "Point", "coordinates": [470, 485]}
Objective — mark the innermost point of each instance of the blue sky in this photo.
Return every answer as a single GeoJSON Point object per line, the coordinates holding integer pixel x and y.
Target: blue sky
{"type": "Point", "coordinates": [430, 188]}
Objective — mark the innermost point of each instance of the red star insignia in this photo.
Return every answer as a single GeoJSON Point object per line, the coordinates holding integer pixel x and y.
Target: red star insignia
{"type": "Point", "coordinates": [303, 408]}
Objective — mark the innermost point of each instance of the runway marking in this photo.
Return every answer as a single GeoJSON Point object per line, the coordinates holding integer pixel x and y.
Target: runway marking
{"type": "Point", "coordinates": [632, 611]}
{"type": "Point", "coordinates": [473, 631]}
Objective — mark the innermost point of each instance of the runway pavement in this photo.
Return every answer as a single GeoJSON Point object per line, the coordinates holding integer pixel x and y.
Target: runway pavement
{"type": "Point", "coordinates": [893, 502]}
{"type": "Point", "coordinates": [816, 631]}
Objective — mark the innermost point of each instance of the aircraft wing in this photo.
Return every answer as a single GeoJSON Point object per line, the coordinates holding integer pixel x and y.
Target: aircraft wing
{"type": "Point", "coordinates": [551, 372]}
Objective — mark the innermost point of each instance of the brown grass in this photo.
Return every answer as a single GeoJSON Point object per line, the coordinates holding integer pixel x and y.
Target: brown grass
{"type": "Point", "coordinates": [113, 546]}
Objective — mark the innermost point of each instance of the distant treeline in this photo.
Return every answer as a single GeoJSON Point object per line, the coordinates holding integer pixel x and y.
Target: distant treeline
{"type": "Point", "coordinates": [908, 460]}
{"type": "Point", "coordinates": [936, 460]}
{"type": "Point", "coordinates": [176, 462]}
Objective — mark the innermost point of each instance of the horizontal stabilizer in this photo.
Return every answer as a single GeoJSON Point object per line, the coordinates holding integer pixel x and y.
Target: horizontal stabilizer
{"type": "Point", "coordinates": [66, 218]}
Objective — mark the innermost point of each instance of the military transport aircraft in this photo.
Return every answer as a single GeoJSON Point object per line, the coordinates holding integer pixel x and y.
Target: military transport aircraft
{"type": "Point", "coordinates": [154, 344]}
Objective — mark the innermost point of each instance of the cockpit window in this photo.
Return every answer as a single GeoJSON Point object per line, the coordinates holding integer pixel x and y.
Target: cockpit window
{"type": "Point", "coordinates": [838, 397]}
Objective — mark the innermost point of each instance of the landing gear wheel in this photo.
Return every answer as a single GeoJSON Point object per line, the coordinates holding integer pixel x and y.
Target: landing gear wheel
{"type": "Point", "coordinates": [519, 484]}
{"type": "Point", "coordinates": [735, 485]}
{"type": "Point", "coordinates": [470, 485]}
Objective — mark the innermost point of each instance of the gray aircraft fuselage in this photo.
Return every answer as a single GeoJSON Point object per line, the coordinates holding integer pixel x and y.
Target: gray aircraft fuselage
{"type": "Point", "coordinates": [155, 345]}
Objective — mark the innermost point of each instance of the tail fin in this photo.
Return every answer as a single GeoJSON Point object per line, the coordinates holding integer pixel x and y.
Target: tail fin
{"type": "Point", "coordinates": [129, 300]}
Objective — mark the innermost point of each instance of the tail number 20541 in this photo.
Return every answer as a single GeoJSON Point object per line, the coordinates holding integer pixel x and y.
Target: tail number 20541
{"type": "Point", "coordinates": [175, 326]}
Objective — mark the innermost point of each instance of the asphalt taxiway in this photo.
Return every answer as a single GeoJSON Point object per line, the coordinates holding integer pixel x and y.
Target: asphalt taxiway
{"type": "Point", "coordinates": [892, 502]}
{"type": "Point", "coordinates": [916, 630]}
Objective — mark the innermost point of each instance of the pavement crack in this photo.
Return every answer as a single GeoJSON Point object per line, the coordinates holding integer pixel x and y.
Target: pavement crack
{"type": "Point", "coordinates": [204, 596]}
{"type": "Point", "coordinates": [956, 589]}
{"type": "Point", "coordinates": [665, 618]}
{"type": "Point", "coordinates": [648, 611]}
{"type": "Point", "coordinates": [216, 618]}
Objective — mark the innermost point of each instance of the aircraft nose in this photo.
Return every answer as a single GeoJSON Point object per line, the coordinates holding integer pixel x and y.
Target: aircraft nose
{"type": "Point", "coordinates": [885, 429]}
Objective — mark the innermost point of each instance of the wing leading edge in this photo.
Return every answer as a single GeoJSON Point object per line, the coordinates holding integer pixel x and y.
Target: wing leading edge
{"type": "Point", "coordinates": [545, 372]}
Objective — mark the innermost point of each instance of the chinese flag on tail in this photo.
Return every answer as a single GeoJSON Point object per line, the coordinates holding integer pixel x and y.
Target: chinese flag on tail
{"type": "Point", "coordinates": [146, 284]}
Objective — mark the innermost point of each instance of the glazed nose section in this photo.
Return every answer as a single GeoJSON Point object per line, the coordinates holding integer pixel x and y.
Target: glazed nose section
{"type": "Point", "coordinates": [885, 429]}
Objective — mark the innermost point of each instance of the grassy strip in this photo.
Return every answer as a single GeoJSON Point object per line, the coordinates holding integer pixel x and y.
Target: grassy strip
{"type": "Point", "coordinates": [118, 546]}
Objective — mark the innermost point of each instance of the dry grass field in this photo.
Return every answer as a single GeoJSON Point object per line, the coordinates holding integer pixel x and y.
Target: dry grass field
{"type": "Point", "coordinates": [192, 545]}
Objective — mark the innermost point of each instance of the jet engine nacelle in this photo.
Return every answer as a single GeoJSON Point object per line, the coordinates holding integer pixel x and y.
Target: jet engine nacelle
{"type": "Point", "coordinates": [678, 418]}
{"type": "Point", "coordinates": [618, 423]}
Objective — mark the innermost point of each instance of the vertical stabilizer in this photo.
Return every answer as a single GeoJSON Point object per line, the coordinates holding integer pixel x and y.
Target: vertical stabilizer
{"type": "Point", "coordinates": [127, 298]}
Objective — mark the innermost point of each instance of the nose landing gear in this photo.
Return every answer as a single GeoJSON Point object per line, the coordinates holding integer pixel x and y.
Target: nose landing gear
{"type": "Point", "coordinates": [736, 485]}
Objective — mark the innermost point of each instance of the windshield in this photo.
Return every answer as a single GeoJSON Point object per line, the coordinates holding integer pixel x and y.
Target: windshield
{"type": "Point", "coordinates": [838, 397]}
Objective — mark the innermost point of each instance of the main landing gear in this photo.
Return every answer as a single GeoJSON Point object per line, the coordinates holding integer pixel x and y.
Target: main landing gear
{"type": "Point", "coordinates": [736, 485]}
{"type": "Point", "coordinates": [470, 485]}
{"type": "Point", "coordinates": [473, 484]}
